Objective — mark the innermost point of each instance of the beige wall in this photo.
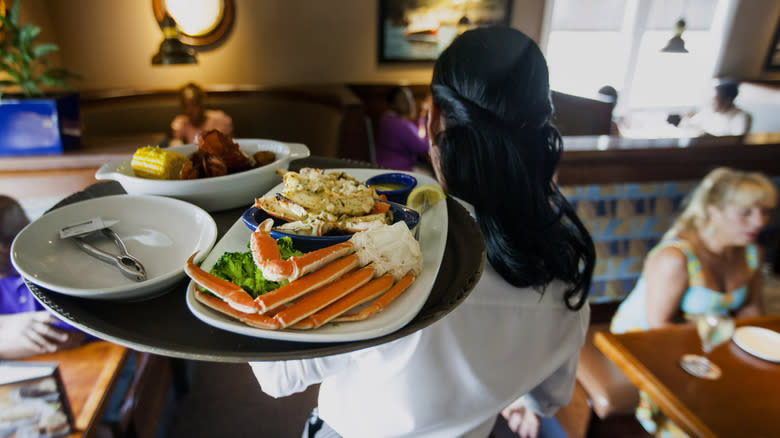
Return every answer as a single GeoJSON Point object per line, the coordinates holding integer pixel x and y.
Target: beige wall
{"type": "Point", "coordinates": [35, 12]}
{"type": "Point", "coordinates": [273, 42]}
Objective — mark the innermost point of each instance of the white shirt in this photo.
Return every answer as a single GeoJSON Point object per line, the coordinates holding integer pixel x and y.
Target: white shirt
{"type": "Point", "coordinates": [732, 122]}
{"type": "Point", "coordinates": [452, 378]}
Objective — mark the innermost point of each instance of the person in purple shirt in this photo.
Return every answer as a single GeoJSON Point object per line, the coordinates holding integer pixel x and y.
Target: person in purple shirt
{"type": "Point", "coordinates": [26, 329]}
{"type": "Point", "coordinates": [399, 143]}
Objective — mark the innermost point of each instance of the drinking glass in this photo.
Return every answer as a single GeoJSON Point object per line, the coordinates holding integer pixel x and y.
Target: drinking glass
{"type": "Point", "coordinates": [713, 330]}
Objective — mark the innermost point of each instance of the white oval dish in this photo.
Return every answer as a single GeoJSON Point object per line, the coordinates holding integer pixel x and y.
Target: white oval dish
{"type": "Point", "coordinates": [759, 342]}
{"type": "Point", "coordinates": [433, 240]}
{"type": "Point", "coordinates": [161, 232]}
{"type": "Point", "coordinates": [216, 193]}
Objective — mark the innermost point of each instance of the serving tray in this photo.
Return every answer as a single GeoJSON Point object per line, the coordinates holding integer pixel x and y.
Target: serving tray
{"type": "Point", "coordinates": [165, 326]}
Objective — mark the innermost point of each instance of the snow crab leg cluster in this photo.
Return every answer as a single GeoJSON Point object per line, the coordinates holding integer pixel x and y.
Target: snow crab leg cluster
{"type": "Point", "coordinates": [324, 285]}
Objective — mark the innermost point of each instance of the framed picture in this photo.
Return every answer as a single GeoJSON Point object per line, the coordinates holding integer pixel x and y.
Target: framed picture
{"type": "Point", "coordinates": [773, 57]}
{"type": "Point", "coordinates": [419, 30]}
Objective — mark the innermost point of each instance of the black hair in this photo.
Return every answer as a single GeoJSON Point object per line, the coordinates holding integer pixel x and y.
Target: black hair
{"type": "Point", "coordinates": [393, 92]}
{"type": "Point", "coordinates": [191, 91]}
{"type": "Point", "coordinates": [499, 152]}
{"type": "Point", "coordinates": [609, 91]}
{"type": "Point", "coordinates": [12, 220]}
{"type": "Point", "coordinates": [727, 89]}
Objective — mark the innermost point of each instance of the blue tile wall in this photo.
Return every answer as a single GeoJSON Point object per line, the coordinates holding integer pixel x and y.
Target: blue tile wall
{"type": "Point", "coordinates": [625, 221]}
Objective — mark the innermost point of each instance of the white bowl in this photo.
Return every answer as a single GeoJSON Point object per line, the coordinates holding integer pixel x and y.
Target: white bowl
{"type": "Point", "coordinates": [216, 193]}
{"type": "Point", "coordinates": [160, 232]}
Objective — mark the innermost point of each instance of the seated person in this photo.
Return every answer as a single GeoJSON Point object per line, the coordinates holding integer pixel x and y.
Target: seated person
{"type": "Point", "coordinates": [723, 118]}
{"type": "Point", "coordinates": [707, 262]}
{"type": "Point", "coordinates": [26, 329]}
{"type": "Point", "coordinates": [399, 143]}
{"type": "Point", "coordinates": [185, 127]}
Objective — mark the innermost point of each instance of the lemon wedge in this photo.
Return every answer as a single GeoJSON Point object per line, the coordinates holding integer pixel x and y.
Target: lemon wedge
{"type": "Point", "coordinates": [422, 195]}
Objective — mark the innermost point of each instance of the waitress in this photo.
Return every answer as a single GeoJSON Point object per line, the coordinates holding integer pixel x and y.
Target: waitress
{"type": "Point", "coordinates": [514, 342]}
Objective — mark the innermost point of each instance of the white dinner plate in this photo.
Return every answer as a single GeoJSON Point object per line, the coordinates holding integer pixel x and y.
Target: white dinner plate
{"type": "Point", "coordinates": [759, 342]}
{"type": "Point", "coordinates": [161, 232]}
{"type": "Point", "coordinates": [432, 238]}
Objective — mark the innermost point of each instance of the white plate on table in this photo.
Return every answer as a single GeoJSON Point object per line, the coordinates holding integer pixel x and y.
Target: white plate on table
{"type": "Point", "coordinates": [759, 342]}
{"type": "Point", "coordinates": [216, 193]}
{"type": "Point", "coordinates": [161, 232]}
{"type": "Point", "coordinates": [432, 238]}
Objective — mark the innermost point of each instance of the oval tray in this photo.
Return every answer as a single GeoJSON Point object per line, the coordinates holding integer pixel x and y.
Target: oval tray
{"type": "Point", "coordinates": [164, 325]}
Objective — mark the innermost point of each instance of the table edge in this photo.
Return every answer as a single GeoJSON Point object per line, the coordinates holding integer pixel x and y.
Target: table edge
{"type": "Point", "coordinates": [640, 376]}
{"type": "Point", "coordinates": [96, 402]}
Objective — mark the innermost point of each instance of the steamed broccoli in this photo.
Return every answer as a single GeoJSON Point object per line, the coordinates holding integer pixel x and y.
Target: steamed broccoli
{"type": "Point", "coordinates": [286, 248]}
{"type": "Point", "coordinates": [240, 268]}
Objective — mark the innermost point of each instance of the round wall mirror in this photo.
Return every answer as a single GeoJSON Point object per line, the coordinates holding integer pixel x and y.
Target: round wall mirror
{"type": "Point", "coordinates": [199, 22]}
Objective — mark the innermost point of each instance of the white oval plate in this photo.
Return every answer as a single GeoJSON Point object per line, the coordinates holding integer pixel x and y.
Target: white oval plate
{"type": "Point", "coordinates": [432, 238]}
{"type": "Point", "coordinates": [161, 232]}
{"type": "Point", "coordinates": [217, 193]}
{"type": "Point", "coordinates": [759, 342]}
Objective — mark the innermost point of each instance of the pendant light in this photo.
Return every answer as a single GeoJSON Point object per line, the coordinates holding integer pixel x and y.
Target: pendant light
{"type": "Point", "coordinates": [172, 51]}
{"type": "Point", "coordinates": [677, 44]}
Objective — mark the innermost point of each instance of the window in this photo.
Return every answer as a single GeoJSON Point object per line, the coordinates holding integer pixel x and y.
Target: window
{"type": "Point", "coordinates": [586, 46]}
{"type": "Point", "coordinates": [618, 42]}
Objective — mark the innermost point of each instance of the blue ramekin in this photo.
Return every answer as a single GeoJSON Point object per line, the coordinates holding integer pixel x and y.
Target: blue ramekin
{"type": "Point", "coordinates": [398, 196]}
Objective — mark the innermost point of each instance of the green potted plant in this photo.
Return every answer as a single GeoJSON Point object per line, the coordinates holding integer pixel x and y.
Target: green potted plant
{"type": "Point", "coordinates": [32, 119]}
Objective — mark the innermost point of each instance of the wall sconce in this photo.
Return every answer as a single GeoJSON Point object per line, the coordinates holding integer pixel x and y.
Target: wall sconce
{"type": "Point", "coordinates": [172, 51]}
{"type": "Point", "coordinates": [199, 22]}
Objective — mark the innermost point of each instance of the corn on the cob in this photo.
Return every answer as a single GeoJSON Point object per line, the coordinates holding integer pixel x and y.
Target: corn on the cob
{"type": "Point", "coordinates": [156, 163]}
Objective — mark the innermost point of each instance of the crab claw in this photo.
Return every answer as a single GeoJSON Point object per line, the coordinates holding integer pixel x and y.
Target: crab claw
{"type": "Point", "coordinates": [295, 289]}
{"type": "Point", "coordinates": [253, 319]}
{"type": "Point", "coordinates": [232, 294]}
{"type": "Point", "coordinates": [265, 253]}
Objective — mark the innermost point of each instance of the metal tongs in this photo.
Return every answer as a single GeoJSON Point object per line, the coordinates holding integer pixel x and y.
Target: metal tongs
{"type": "Point", "coordinates": [128, 265]}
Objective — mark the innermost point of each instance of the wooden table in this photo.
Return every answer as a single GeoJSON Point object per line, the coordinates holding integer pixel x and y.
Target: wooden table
{"type": "Point", "coordinates": [744, 402]}
{"type": "Point", "coordinates": [88, 373]}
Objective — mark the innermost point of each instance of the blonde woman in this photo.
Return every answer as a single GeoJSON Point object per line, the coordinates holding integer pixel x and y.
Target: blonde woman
{"type": "Point", "coordinates": [707, 262]}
